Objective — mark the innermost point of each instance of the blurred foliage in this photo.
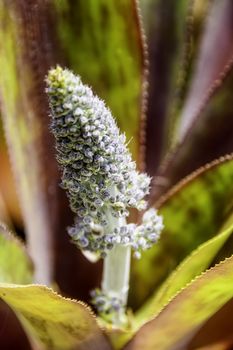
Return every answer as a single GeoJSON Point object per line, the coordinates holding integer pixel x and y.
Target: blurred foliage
{"type": "Point", "coordinates": [188, 125]}
{"type": "Point", "coordinates": [111, 63]}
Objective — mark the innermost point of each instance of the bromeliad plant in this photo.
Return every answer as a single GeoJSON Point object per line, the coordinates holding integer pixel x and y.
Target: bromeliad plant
{"type": "Point", "coordinates": [102, 184]}
{"type": "Point", "coordinates": [182, 286]}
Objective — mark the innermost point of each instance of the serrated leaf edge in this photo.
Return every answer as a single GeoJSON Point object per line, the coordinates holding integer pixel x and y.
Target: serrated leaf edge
{"type": "Point", "coordinates": [186, 180]}
{"type": "Point", "coordinates": [182, 289]}
{"type": "Point", "coordinates": [54, 293]}
{"type": "Point", "coordinates": [182, 73]}
{"type": "Point", "coordinates": [193, 253]}
{"type": "Point", "coordinates": [144, 86]}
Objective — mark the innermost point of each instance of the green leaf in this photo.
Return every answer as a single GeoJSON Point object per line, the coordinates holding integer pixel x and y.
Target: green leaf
{"type": "Point", "coordinates": [102, 42]}
{"type": "Point", "coordinates": [52, 321]}
{"type": "Point", "coordinates": [177, 322]}
{"type": "Point", "coordinates": [197, 262]}
{"type": "Point", "coordinates": [15, 264]}
{"type": "Point", "coordinates": [193, 212]}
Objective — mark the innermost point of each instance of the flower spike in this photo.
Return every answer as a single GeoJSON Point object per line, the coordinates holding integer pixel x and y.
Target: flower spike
{"type": "Point", "coordinates": [98, 172]}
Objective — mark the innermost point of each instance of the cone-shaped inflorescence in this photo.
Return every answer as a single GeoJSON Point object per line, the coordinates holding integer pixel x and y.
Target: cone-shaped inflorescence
{"type": "Point", "coordinates": [98, 173]}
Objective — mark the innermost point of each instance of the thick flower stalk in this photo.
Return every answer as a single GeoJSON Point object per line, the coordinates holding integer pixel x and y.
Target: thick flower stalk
{"type": "Point", "coordinates": [102, 184]}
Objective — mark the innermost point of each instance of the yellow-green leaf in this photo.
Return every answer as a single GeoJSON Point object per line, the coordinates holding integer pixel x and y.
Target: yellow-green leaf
{"type": "Point", "coordinates": [177, 322]}
{"type": "Point", "coordinates": [15, 264]}
{"type": "Point", "coordinates": [192, 266]}
{"type": "Point", "coordinates": [52, 321]}
{"type": "Point", "coordinates": [193, 212]}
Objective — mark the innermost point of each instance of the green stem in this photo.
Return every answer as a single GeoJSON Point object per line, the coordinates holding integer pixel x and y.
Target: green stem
{"type": "Point", "coordinates": [116, 276]}
{"type": "Point", "coordinates": [116, 269]}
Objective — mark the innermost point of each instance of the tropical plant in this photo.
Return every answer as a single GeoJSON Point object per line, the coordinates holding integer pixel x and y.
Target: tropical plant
{"type": "Point", "coordinates": [180, 132]}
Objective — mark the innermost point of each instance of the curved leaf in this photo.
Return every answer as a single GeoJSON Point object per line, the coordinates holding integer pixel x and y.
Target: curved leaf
{"type": "Point", "coordinates": [207, 103]}
{"type": "Point", "coordinates": [15, 264]}
{"type": "Point", "coordinates": [193, 212]}
{"type": "Point", "coordinates": [203, 144]}
{"type": "Point", "coordinates": [177, 322]}
{"type": "Point", "coordinates": [197, 262]}
{"type": "Point", "coordinates": [218, 33]}
{"type": "Point", "coordinates": [52, 321]}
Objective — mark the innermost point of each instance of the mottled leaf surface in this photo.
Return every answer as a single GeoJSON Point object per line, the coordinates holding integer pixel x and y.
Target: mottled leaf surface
{"type": "Point", "coordinates": [193, 212]}
{"type": "Point", "coordinates": [53, 321]}
{"type": "Point", "coordinates": [15, 264]}
{"type": "Point", "coordinates": [102, 43]}
{"type": "Point", "coordinates": [174, 326]}
{"type": "Point", "coordinates": [197, 262]}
